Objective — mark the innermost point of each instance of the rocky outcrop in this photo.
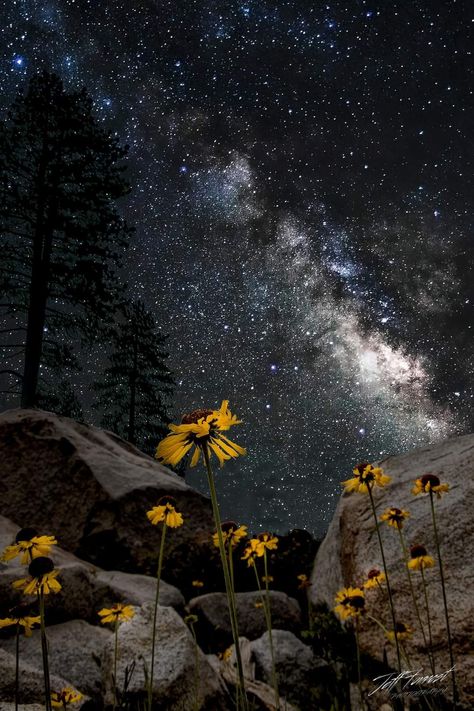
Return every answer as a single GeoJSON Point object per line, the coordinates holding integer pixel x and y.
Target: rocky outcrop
{"type": "Point", "coordinates": [213, 627]}
{"type": "Point", "coordinates": [31, 684]}
{"type": "Point", "coordinates": [350, 549]}
{"type": "Point", "coordinates": [92, 490]}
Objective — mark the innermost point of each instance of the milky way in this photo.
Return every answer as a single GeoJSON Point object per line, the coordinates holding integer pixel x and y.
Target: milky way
{"type": "Point", "coordinates": [302, 199]}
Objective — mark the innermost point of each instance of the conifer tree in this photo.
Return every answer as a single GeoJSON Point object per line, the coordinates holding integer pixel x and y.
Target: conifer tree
{"type": "Point", "coordinates": [61, 236]}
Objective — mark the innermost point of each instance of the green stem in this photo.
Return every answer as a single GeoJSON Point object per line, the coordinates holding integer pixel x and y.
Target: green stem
{"type": "Point", "coordinates": [415, 603]}
{"type": "Point", "coordinates": [241, 695]}
{"type": "Point", "coordinates": [389, 590]}
{"type": "Point", "coordinates": [270, 635]}
{"type": "Point", "coordinates": [197, 673]}
{"type": "Point", "coordinates": [155, 614]}
{"type": "Point", "coordinates": [445, 602]}
{"type": "Point", "coordinates": [17, 666]}
{"type": "Point", "coordinates": [115, 662]}
{"type": "Point", "coordinates": [359, 680]}
{"type": "Point", "coordinates": [44, 649]}
{"type": "Point", "coordinates": [427, 607]}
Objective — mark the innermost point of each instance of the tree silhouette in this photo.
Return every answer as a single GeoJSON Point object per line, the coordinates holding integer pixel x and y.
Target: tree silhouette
{"type": "Point", "coordinates": [136, 385]}
{"type": "Point", "coordinates": [60, 233]}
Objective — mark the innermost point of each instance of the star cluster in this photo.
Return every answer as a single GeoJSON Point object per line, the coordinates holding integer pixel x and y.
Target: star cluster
{"type": "Point", "coordinates": [302, 196]}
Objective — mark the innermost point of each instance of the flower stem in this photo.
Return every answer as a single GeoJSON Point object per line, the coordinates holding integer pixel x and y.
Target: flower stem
{"type": "Point", "coordinates": [241, 695]}
{"type": "Point", "coordinates": [445, 602]}
{"type": "Point", "coordinates": [197, 673]}
{"type": "Point", "coordinates": [155, 614]}
{"type": "Point", "coordinates": [44, 649]}
{"type": "Point", "coordinates": [415, 603]}
{"type": "Point", "coordinates": [17, 665]}
{"type": "Point", "coordinates": [427, 606]}
{"type": "Point", "coordinates": [359, 680]}
{"type": "Point", "coordinates": [389, 590]}
{"type": "Point", "coordinates": [270, 635]}
{"type": "Point", "coordinates": [115, 662]}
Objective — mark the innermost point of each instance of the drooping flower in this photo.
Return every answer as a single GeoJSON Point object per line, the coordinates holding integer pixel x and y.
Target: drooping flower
{"type": "Point", "coordinates": [165, 511]}
{"type": "Point", "coordinates": [28, 544]}
{"type": "Point", "coordinates": [365, 475]}
{"type": "Point", "coordinates": [375, 577]}
{"type": "Point", "coordinates": [304, 581]}
{"type": "Point", "coordinates": [68, 695]}
{"type": "Point", "coordinates": [395, 517]}
{"type": "Point", "coordinates": [200, 427]}
{"type": "Point", "coordinates": [402, 631]}
{"type": "Point", "coordinates": [427, 483]}
{"type": "Point", "coordinates": [350, 602]}
{"type": "Point", "coordinates": [117, 613]}
{"type": "Point", "coordinates": [266, 542]}
{"type": "Point", "coordinates": [42, 578]}
{"type": "Point", "coordinates": [251, 551]}
{"type": "Point", "coordinates": [21, 620]}
{"type": "Point", "coordinates": [232, 534]}
{"type": "Point", "coordinates": [420, 558]}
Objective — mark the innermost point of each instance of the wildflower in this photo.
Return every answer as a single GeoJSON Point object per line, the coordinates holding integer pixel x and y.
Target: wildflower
{"type": "Point", "coordinates": [420, 558]}
{"type": "Point", "coordinates": [267, 578]}
{"type": "Point", "coordinates": [197, 584]}
{"type": "Point", "coordinates": [117, 613]}
{"type": "Point", "coordinates": [365, 475]}
{"type": "Point", "coordinates": [258, 605]}
{"type": "Point", "coordinates": [231, 534]}
{"type": "Point", "coordinates": [42, 578]}
{"type": "Point", "coordinates": [266, 542]}
{"type": "Point", "coordinates": [66, 696]}
{"type": "Point", "coordinates": [28, 544]}
{"type": "Point", "coordinates": [199, 428]}
{"type": "Point", "coordinates": [304, 583]}
{"type": "Point", "coordinates": [375, 577]}
{"type": "Point", "coordinates": [226, 654]}
{"type": "Point", "coordinates": [395, 517]}
{"type": "Point", "coordinates": [402, 631]}
{"type": "Point", "coordinates": [427, 483]}
{"type": "Point", "coordinates": [165, 511]}
{"type": "Point", "coordinates": [190, 619]}
{"type": "Point", "coordinates": [250, 553]}
{"type": "Point", "coordinates": [20, 620]}
{"type": "Point", "coordinates": [350, 602]}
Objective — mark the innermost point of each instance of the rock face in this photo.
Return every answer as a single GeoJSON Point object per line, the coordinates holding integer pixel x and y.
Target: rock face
{"type": "Point", "coordinates": [31, 685]}
{"type": "Point", "coordinates": [214, 629]}
{"type": "Point", "coordinates": [177, 664]}
{"type": "Point", "coordinates": [350, 549]}
{"type": "Point", "coordinates": [92, 490]}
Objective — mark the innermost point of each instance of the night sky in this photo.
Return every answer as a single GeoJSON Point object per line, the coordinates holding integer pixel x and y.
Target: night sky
{"type": "Point", "coordinates": [303, 200]}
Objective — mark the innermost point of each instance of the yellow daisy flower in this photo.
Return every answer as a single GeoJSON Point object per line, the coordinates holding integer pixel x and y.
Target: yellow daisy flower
{"type": "Point", "coordinates": [165, 511]}
{"type": "Point", "coordinates": [117, 613]}
{"type": "Point", "coordinates": [375, 577]}
{"type": "Point", "coordinates": [42, 578]}
{"type": "Point", "coordinates": [402, 631]}
{"type": "Point", "coordinates": [231, 533]}
{"type": "Point", "coordinates": [395, 517]}
{"type": "Point", "coordinates": [304, 581]}
{"type": "Point", "coordinates": [197, 584]}
{"type": "Point", "coordinates": [68, 695]}
{"type": "Point", "coordinates": [350, 602]}
{"type": "Point", "coordinates": [366, 475]}
{"type": "Point", "coordinates": [251, 552]}
{"type": "Point", "coordinates": [196, 429]}
{"type": "Point", "coordinates": [266, 542]}
{"type": "Point", "coordinates": [26, 622]}
{"type": "Point", "coordinates": [267, 578]}
{"type": "Point", "coordinates": [28, 544]}
{"type": "Point", "coordinates": [427, 483]}
{"type": "Point", "coordinates": [420, 558]}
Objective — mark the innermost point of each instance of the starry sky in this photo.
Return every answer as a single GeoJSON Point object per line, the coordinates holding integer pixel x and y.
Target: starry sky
{"type": "Point", "coordinates": [303, 198]}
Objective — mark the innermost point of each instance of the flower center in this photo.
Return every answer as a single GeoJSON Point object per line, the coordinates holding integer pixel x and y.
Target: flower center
{"type": "Point", "coordinates": [40, 566]}
{"type": "Point", "coordinates": [417, 551]}
{"type": "Point", "coordinates": [228, 526]}
{"type": "Point", "coordinates": [26, 534]}
{"type": "Point", "coordinates": [430, 479]}
{"type": "Point", "coordinates": [357, 601]}
{"type": "Point", "coordinates": [400, 627]}
{"type": "Point", "coordinates": [193, 417]}
{"type": "Point", "coordinates": [373, 573]}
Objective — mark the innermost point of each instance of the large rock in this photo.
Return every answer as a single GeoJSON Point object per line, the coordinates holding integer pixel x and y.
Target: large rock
{"type": "Point", "coordinates": [75, 649]}
{"type": "Point", "coordinates": [213, 627]}
{"type": "Point", "coordinates": [175, 669]}
{"type": "Point", "coordinates": [92, 490]}
{"type": "Point", "coordinates": [31, 684]}
{"type": "Point", "coordinates": [350, 549]}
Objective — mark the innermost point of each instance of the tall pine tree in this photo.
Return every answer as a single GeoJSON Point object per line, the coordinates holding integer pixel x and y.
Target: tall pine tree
{"type": "Point", "coordinates": [61, 236]}
{"type": "Point", "coordinates": [134, 391]}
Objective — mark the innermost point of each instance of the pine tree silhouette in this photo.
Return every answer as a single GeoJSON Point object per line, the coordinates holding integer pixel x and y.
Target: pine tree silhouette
{"type": "Point", "coordinates": [134, 391]}
{"type": "Point", "coordinates": [61, 236]}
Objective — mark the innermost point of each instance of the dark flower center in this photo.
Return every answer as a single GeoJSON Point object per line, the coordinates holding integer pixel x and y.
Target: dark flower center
{"type": "Point", "coordinates": [400, 627]}
{"type": "Point", "coordinates": [396, 514]}
{"type": "Point", "coordinates": [193, 417]}
{"type": "Point", "coordinates": [373, 573]}
{"type": "Point", "coordinates": [361, 467]}
{"type": "Point", "coordinates": [228, 526]}
{"type": "Point", "coordinates": [417, 551]}
{"type": "Point", "coordinates": [167, 500]}
{"type": "Point", "coordinates": [357, 601]}
{"type": "Point", "coordinates": [26, 534]}
{"type": "Point", "coordinates": [22, 610]}
{"type": "Point", "coordinates": [264, 536]}
{"type": "Point", "coordinates": [40, 566]}
{"type": "Point", "coordinates": [430, 479]}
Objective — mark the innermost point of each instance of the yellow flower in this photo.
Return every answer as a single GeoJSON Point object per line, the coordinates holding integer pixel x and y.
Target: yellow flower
{"type": "Point", "coordinates": [427, 483]}
{"type": "Point", "coordinates": [68, 695]}
{"type": "Point", "coordinates": [117, 613]}
{"type": "Point", "coordinates": [197, 584]}
{"type": "Point", "coordinates": [402, 631]}
{"type": "Point", "coordinates": [350, 602]}
{"type": "Point", "coordinates": [28, 544]}
{"type": "Point", "coordinates": [257, 546]}
{"type": "Point", "coordinates": [190, 619]}
{"type": "Point", "coordinates": [267, 578]}
{"type": "Point", "coordinates": [420, 558]}
{"type": "Point", "coordinates": [26, 622]}
{"type": "Point", "coordinates": [395, 517]}
{"type": "Point", "coordinates": [226, 654]}
{"type": "Point", "coordinates": [198, 428]}
{"type": "Point", "coordinates": [231, 533]}
{"type": "Point", "coordinates": [375, 577]}
{"type": "Point", "coordinates": [366, 475]}
{"type": "Point", "coordinates": [42, 578]}
{"type": "Point", "coordinates": [304, 583]}
{"type": "Point", "coordinates": [251, 552]}
{"type": "Point", "coordinates": [165, 511]}
{"type": "Point", "coordinates": [258, 605]}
